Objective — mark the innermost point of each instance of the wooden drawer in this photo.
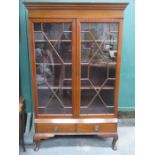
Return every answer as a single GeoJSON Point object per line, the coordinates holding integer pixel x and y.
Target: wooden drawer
{"type": "Point", "coordinates": [110, 127]}
{"type": "Point", "coordinates": [55, 128]}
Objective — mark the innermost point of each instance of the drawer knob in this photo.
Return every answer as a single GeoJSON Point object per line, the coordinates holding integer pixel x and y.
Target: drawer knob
{"type": "Point", "coordinates": [97, 127]}
{"type": "Point", "coordinates": [55, 128]}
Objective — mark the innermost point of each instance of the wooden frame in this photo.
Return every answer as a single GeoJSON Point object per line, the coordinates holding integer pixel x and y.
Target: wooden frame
{"type": "Point", "coordinates": [92, 20]}
{"type": "Point", "coordinates": [34, 85]}
{"type": "Point", "coordinates": [75, 13]}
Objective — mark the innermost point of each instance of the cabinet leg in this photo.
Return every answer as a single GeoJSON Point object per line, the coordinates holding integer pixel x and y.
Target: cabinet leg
{"type": "Point", "coordinates": [36, 145]}
{"type": "Point", "coordinates": [114, 147]}
{"type": "Point", "coordinates": [22, 142]}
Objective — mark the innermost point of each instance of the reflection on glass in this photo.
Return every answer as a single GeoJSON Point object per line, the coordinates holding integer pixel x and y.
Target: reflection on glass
{"type": "Point", "coordinates": [59, 104]}
{"type": "Point", "coordinates": [102, 104]}
{"type": "Point", "coordinates": [53, 67]}
{"type": "Point", "coordinates": [98, 62]}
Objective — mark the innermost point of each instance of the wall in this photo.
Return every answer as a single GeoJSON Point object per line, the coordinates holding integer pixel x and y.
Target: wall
{"type": "Point", "coordinates": [127, 80]}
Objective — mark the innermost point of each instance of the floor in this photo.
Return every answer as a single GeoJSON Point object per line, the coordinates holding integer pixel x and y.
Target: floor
{"type": "Point", "coordinates": [86, 145]}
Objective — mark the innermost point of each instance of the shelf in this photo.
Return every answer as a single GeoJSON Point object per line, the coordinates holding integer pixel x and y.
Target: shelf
{"type": "Point", "coordinates": [82, 88]}
{"type": "Point", "coordinates": [106, 41]}
{"type": "Point", "coordinates": [89, 31]}
{"type": "Point", "coordinates": [110, 64]}
{"type": "Point", "coordinates": [83, 41]}
{"type": "Point", "coordinates": [67, 41]}
{"type": "Point", "coordinates": [54, 64]}
{"type": "Point", "coordinates": [42, 31]}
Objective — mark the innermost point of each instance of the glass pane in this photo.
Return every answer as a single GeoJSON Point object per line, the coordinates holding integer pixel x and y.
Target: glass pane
{"type": "Point", "coordinates": [91, 105]}
{"type": "Point", "coordinates": [67, 27]}
{"type": "Point", "coordinates": [53, 67]}
{"type": "Point", "coordinates": [98, 64]}
{"type": "Point", "coordinates": [37, 26]}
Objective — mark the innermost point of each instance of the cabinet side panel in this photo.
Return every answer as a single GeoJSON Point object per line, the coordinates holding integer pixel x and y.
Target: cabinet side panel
{"type": "Point", "coordinates": [32, 54]}
{"type": "Point", "coordinates": [118, 67]}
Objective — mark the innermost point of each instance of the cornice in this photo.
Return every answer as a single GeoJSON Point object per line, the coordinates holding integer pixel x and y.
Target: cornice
{"type": "Point", "coordinates": [74, 6]}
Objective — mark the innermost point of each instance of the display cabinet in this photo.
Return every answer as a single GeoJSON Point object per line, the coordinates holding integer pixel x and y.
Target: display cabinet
{"type": "Point", "coordinates": [75, 53]}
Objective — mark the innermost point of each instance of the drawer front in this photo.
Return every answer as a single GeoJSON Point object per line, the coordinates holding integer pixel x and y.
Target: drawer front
{"type": "Point", "coordinates": [96, 128]}
{"type": "Point", "coordinates": [55, 128]}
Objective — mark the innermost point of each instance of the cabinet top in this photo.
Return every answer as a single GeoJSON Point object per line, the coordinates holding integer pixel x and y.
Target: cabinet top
{"type": "Point", "coordinates": [74, 6]}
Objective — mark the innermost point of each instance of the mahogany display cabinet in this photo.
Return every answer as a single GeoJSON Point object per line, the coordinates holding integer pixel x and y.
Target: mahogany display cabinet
{"type": "Point", "coordinates": [75, 51]}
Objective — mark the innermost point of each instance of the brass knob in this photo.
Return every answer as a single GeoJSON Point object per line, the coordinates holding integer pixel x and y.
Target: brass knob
{"type": "Point", "coordinates": [97, 127]}
{"type": "Point", "coordinates": [55, 128]}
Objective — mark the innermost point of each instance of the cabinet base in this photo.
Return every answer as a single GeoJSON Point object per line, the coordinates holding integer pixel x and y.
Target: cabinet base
{"type": "Point", "coordinates": [39, 136]}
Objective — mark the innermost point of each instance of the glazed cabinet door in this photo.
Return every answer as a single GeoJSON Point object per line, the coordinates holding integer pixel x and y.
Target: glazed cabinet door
{"type": "Point", "coordinates": [98, 59]}
{"type": "Point", "coordinates": [53, 52]}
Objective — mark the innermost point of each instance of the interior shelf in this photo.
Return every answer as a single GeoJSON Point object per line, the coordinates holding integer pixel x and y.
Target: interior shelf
{"type": "Point", "coordinates": [42, 31]}
{"type": "Point", "coordinates": [54, 64]}
{"type": "Point", "coordinates": [88, 31]}
{"type": "Point", "coordinates": [82, 88]}
{"type": "Point", "coordinates": [110, 64]}
{"type": "Point", "coordinates": [83, 41]}
{"type": "Point", "coordinates": [53, 41]}
{"type": "Point", "coordinates": [106, 41]}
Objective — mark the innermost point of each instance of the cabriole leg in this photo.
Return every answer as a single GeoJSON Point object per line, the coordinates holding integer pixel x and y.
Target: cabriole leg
{"type": "Point", "coordinates": [114, 147]}
{"type": "Point", "coordinates": [36, 145]}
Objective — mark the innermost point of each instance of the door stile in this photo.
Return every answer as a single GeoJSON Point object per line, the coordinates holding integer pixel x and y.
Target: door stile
{"type": "Point", "coordinates": [33, 68]}
{"type": "Point", "coordinates": [33, 61]}
{"type": "Point", "coordinates": [74, 69]}
{"type": "Point", "coordinates": [78, 68]}
{"type": "Point", "coordinates": [117, 82]}
{"type": "Point", "coordinates": [116, 87]}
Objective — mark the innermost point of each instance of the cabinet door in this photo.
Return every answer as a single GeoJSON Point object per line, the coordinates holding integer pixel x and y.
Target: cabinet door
{"type": "Point", "coordinates": [53, 66]}
{"type": "Point", "coordinates": [99, 46]}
